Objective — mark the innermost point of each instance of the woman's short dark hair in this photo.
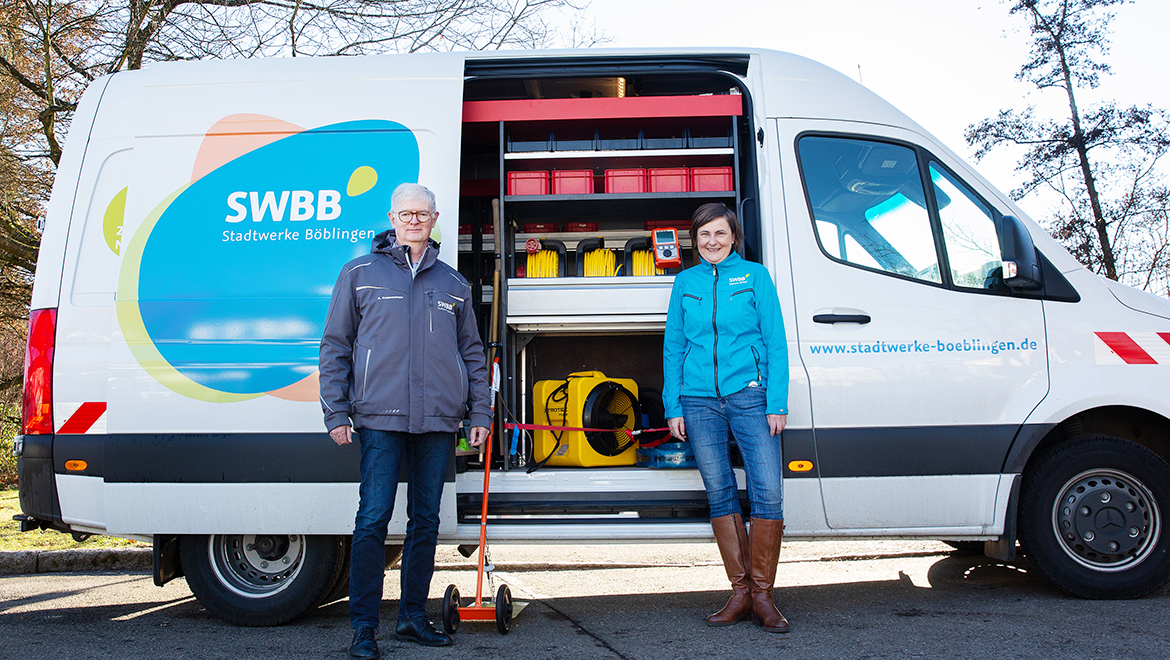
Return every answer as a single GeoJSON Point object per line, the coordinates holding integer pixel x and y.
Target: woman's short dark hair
{"type": "Point", "coordinates": [711, 212]}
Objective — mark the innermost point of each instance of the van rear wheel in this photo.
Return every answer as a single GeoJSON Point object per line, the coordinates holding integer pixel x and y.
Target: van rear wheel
{"type": "Point", "coordinates": [1093, 517]}
{"type": "Point", "coordinates": [261, 579]}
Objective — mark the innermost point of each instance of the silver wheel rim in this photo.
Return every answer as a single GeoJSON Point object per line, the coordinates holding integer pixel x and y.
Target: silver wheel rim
{"type": "Point", "coordinates": [256, 565]}
{"type": "Point", "coordinates": [1106, 520]}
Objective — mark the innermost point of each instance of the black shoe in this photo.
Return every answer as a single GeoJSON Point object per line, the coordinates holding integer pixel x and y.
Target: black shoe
{"type": "Point", "coordinates": [365, 645]}
{"type": "Point", "coordinates": [422, 632]}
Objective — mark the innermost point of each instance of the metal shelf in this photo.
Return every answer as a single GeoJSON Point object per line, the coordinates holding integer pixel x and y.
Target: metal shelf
{"type": "Point", "coordinates": [571, 238]}
{"type": "Point", "coordinates": [618, 153]}
{"type": "Point", "coordinates": [617, 197]}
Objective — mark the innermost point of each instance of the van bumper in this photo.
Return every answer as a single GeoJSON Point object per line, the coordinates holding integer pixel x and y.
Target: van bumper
{"type": "Point", "coordinates": [38, 485]}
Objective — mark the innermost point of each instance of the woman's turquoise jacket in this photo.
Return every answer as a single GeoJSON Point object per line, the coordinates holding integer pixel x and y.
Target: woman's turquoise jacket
{"type": "Point", "coordinates": [724, 332]}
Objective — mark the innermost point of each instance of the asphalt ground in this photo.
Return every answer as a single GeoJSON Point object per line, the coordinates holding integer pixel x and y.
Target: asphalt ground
{"type": "Point", "coordinates": [888, 599]}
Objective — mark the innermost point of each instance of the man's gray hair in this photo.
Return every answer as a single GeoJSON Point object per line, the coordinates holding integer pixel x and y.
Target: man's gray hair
{"type": "Point", "coordinates": [407, 191]}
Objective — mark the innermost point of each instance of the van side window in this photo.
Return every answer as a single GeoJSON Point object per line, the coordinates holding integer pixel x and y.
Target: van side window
{"type": "Point", "coordinates": [969, 234]}
{"type": "Point", "coordinates": [871, 194]}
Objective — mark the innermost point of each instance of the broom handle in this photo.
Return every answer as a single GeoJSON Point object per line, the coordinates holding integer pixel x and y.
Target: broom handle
{"type": "Point", "coordinates": [487, 476]}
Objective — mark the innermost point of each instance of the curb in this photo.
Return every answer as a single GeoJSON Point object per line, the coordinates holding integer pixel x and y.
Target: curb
{"type": "Point", "coordinates": [23, 562]}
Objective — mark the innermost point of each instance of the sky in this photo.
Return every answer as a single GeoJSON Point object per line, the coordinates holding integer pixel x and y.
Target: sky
{"type": "Point", "coordinates": [945, 63]}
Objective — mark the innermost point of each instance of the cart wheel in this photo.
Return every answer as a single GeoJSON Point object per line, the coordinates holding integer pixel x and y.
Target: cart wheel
{"type": "Point", "coordinates": [504, 609]}
{"type": "Point", "coordinates": [451, 609]}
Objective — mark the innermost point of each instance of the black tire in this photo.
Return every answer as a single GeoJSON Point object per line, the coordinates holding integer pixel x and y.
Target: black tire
{"type": "Point", "coordinates": [341, 588]}
{"type": "Point", "coordinates": [503, 609]}
{"type": "Point", "coordinates": [451, 609]}
{"type": "Point", "coordinates": [261, 579]}
{"type": "Point", "coordinates": [1092, 517]}
{"type": "Point", "coordinates": [341, 585]}
{"type": "Point", "coordinates": [393, 555]}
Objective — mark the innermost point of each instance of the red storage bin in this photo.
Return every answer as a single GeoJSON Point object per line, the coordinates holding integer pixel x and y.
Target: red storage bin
{"type": "Point", "coordinates": [572, 182]}
{"type": "Point", "coordinates": [528, 183]}
{"type": "Point", "coordinates": [668, 179]}
{"type": "Point", "coordinates": [680, 225]}
{"type": "Point", "coordinates": [711, 179]}
{"type": "Point", "coordinates": [539, 227]}
{"type": "Point", "coordinates": [625, 181]}
{"type": "Point", "coordinates": [580, 226]}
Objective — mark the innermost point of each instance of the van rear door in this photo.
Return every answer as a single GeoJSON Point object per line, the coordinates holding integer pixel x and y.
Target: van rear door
{"type": "Point", "coordinates": [922, 364]}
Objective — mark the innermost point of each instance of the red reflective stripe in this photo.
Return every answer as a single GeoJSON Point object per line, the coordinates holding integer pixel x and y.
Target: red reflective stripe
{"type": "Point", "coordinates": [83, 419]}
{"type": "Point", "coordinates": [1165, 336]}
{"type": "Point", "coordinates": [1126, 348]}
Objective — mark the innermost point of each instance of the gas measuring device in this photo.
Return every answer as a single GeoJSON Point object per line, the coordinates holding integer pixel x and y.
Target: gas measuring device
{"type": "Point", "coordinates": [666, 251]}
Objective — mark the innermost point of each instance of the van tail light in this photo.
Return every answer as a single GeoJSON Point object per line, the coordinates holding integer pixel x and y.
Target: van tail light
{"type": "Point", "coordinates": [37, 411]}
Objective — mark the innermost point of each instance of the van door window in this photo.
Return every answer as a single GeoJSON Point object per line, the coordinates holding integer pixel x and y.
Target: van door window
{"type": "Point", "coordinates": [871, 194]}
{"type": "Point", "coordinates": [968, 228]}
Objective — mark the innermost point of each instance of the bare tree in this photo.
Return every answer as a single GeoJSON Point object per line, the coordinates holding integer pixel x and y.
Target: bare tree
{"type": "Point", "coordinates": [1101, 162]}
{"type": "Point", "coordinates": [52, 49]}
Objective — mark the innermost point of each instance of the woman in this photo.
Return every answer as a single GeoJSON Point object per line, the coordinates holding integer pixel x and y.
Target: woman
{"type": "Point", "coordinates": [725, 368]}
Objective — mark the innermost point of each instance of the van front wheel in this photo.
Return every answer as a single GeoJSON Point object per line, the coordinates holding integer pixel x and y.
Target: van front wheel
{"type": "Point", "coordinates": [1092, 517]}
{"type": "Point", "coordinates": [261, 579]}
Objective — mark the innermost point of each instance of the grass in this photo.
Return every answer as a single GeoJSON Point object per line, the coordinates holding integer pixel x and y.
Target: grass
{"type": "Point", "coordinates": [11, 538]}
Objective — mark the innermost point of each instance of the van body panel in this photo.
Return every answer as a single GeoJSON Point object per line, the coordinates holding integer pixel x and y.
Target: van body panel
{"type": "Point", "coordinates": [63, 201]}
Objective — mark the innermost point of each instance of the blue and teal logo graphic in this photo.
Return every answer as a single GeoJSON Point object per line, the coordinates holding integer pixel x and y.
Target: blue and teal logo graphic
{"type": "Point", "coordinates": [225, 286]}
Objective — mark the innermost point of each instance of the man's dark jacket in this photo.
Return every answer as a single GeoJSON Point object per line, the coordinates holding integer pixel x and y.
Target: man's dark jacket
{"type": "Point", "coordinates": [402, 353]}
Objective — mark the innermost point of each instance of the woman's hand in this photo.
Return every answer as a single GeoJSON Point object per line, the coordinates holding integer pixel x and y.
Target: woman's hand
{"type": "Point", "coordinates": [678, 427]}
{"type": "Point", "coordinates": [776, 423]}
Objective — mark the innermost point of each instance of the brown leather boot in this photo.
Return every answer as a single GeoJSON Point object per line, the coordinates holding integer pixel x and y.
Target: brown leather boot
{"type": "Point", "coordinates": [766, 537]}
{"type": "Point", "coordinates": [731, 535]}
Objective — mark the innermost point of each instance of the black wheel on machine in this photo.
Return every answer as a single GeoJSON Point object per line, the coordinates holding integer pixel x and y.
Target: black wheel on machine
{"type": "Point", "coordinates": [503, 609]}
{"type": "Point", "coordinates": [1093, 517]}
{"type": "Point", "coordinates": [261, 579]}
{"type": "Point", "coordinates": [451, 609]}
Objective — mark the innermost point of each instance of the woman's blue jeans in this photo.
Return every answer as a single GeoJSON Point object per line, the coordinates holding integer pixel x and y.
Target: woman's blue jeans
{"type": "Point", "coordinates": [384, 453]}
{"type": "Point", "coordinates": [710, 422]}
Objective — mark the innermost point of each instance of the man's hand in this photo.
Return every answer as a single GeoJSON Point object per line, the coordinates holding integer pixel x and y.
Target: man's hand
{"type": "Point", "coordinates": [678, 427]}
{"type": "Point", "coordinates": [776, 423]}
{"type": "Point", "coordinates": [478, 436]}
{"type": "Point", "coordinates": [342, 435]}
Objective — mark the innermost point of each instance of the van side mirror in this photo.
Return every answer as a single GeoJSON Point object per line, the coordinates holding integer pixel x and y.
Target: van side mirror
{"type": "Point", "coordinates": [1021, 264]}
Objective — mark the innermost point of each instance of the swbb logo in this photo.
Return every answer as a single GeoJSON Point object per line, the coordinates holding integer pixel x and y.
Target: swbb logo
{"type": "Point", "coordinates": [327, 207]}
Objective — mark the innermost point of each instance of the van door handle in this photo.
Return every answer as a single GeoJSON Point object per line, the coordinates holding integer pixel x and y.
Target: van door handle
{"type": "Point", "coordinates": [842, 318]}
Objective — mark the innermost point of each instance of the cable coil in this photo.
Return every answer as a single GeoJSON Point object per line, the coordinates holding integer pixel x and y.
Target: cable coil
{"type": "Point", "coordinates": [600, 263]}
{"type": "Point", "coordinates": [544, 263]}
{"type": "Point", "coordinates": [643, 264]}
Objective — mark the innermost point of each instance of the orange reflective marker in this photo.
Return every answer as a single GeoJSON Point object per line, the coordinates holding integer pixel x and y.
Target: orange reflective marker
{"type": "Point", "coordinates": [76, 466]}
{"type": "Point", "coordinates": [800, 466]}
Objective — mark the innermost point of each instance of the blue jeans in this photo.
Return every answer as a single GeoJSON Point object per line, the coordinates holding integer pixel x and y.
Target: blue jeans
{"type": "Point", "coordinates": [708, 420]}
{"type": "Point", "coordinates": [383, 455]}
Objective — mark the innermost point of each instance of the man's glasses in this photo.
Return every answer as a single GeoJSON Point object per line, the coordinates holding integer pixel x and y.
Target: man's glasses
{"type": "Point", "coordinates": [423, 216]}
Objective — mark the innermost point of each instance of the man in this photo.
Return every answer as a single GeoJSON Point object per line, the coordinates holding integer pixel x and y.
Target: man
{"type": "Point", "coordinates": [402, 361]}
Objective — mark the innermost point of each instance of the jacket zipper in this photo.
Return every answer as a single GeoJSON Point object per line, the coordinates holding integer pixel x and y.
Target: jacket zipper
{"type": "Point", "coordinates": [431, 310]}
{"type": "Point", "coordinates": [714, 327]}
{"type": "Point", "coordinates": [366, 373]}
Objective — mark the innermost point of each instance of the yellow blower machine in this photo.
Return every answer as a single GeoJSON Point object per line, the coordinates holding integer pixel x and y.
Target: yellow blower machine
{"type": "Point", "coordinates": [586, 399]}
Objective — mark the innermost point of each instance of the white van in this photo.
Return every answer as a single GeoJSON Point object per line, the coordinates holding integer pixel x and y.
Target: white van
{"type": "Point", "coordinates": [956, 374]}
